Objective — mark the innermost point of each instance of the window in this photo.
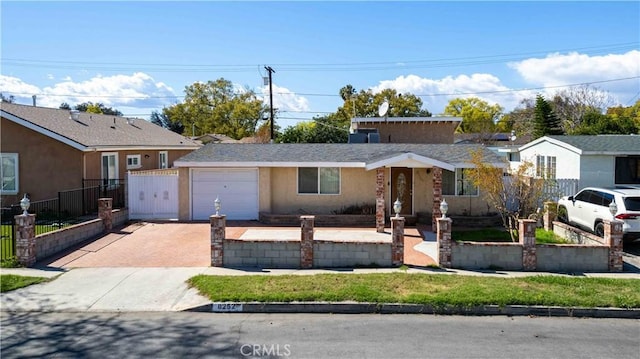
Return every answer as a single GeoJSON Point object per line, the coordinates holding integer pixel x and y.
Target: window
{"type": "Point", "coordinates": [110, 168]}
{"type": "Point", "coordinates": [163, 159]}
{"type": "Point", "coordinates": [546, 167]}
{"type": "Point", "coordinates": [9, 173]}
{"type": "Point", "coordinates": [627, 170]}
{"type": "Point", "coordinates": [133, 161]}
{"type": "Point", "coordinates": [318, 180]}
{"type": "Point", "coordinates": [458, 183]}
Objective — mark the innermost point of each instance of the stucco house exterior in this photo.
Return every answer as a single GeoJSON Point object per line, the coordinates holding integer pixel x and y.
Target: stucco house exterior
{"type": "Point", "coordinates": [46, 150]}
{"type": "Point", "coordinates": [252, 179]}
{"type": "Point", "coordinates": [599, 160]}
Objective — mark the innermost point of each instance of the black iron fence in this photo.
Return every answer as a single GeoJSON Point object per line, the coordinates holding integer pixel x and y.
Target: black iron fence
{"type": "Point", "coordinates": [69, 208]}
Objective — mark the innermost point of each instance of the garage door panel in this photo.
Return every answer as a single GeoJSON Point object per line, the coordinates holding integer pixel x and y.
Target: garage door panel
{"type": "Point", "coordinates": [237, 190]}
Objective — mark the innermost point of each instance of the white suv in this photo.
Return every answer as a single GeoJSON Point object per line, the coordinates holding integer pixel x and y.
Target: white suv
{"type": "Point", "coordinates": [589, 207]}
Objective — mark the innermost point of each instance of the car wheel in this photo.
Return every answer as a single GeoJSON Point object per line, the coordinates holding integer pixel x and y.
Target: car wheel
{"type": "Point", "coordinates": [599, 229]}
{"type": "Point", "coordinates": [563, 216]}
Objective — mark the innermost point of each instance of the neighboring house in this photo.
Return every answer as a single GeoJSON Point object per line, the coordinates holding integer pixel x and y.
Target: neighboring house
{"type": "Point", "coordinates": [215, 138]}
{"type": "Point", "coordinates": [324, 178]}
{"type": "Point", "coordinates": [497, 142]}
{"type": "Point", "coordinates": [46, 150]}
{"type": "Point", "coordinates": [598, 161]}
{"type": "Point", "coordinates": [407, 129]}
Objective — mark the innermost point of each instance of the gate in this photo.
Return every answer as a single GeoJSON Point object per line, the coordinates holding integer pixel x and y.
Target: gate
{"type": "Point", "coordinates": [153, 194]}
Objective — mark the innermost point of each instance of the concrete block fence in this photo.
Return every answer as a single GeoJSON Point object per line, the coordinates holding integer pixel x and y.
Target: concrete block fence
{"type": "Point", "coordinates": [307, 252]}
{"type": "Point", "coordinates": [589, 253]}
{"type": "Point", "coordinates": [31, 248]}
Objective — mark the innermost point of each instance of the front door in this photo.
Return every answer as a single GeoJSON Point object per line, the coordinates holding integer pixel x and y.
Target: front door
{"type": "Point", "coordinates": [402, 189]}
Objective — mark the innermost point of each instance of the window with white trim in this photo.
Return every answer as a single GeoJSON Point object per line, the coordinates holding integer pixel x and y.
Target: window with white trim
{"type": "Point", "coordinates": [318, 180]}
{"type": "Point", "coordinates": [546, 166]}
{"type": "Point", "coordinates": [133, 162]}
{"type": "Point", "coordinates": [9, 173]}
{"type": "Point", "coordinates": [163, 159]}
{"type": "Point", "coordinates": [458, 183]}
{"type": "Point", "coordinates": [110, 168]}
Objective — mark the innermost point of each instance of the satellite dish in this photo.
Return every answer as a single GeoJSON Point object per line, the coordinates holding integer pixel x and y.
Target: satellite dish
{"type": "Point", "coordinates": [384, 107]}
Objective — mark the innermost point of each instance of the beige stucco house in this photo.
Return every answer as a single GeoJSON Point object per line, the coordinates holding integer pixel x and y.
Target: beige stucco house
{"type": "Point", "coordinates": [47, 150]}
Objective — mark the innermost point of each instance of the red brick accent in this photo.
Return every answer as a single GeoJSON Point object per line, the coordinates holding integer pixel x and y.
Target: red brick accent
{"type": "Point", "coordinates": [445, 243]}
{"type": "Point", "coordinates": [527, 233]}
{"type": "Point", "coordinates": [613, 238]}
{"type": "Point", "coordinates": [397, 241]}
{"type": "Point", "coordinates": [380, 200]}
{"type": "Point", "coordinates": [105, 206]}
{"type": "Point", "coordinates": [306, 242]}
{"type": "Point", "coordinates": [437, 195]}
{"type": "Point", "coordinates": [218, 228]}
{"type": "Point", "coordinates": [26, 239]}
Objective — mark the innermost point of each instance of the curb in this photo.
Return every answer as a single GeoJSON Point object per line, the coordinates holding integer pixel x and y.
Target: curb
{"type": "Point", "coordinates": [390, 308]}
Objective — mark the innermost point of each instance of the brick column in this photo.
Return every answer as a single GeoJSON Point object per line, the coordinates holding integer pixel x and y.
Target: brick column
{"type": "Point", "coordinates": [397, 241]}
{"type": "Point", "coordinates": [550, 213]}
{"type": "Point", "coordinates": [527, 233]}
{"type": "Point", "coordinates": [380, 200]}
{"type": "Point", "coordinates": [105, 213]}
{"type": "Point", "coordinates": [218, 234]}
{"type": "Point", "coordinates": [26, 239]}
{"type": "Point", "coordinates": [445, 243]}
{"type": "Point", "coordinates": [306, 241]}
{"type": "Point", "coordinates": [613, 238]}
{"type": "Point", "coordinates": [437, 196]}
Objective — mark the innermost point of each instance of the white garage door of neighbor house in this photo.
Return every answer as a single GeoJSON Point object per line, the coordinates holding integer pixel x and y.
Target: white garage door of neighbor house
{"type": "Point", "coordinates": [237, 189]}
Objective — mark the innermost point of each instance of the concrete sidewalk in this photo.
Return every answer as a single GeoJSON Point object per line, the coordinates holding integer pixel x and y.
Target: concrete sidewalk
{"type": "Point", "coordinates": [165, 289]}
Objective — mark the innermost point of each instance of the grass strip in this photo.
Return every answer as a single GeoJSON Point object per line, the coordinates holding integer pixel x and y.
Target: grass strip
{"type": "Point", "coordinates": [501, 235]}
{"type": "Point", "coordinates": [10, 282]}
{"type": "Point", "coordinates": [432, 289]}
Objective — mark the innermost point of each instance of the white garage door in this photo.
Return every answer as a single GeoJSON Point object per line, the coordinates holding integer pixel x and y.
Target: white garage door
{"type": "Point", "coordinates": [237, 189]}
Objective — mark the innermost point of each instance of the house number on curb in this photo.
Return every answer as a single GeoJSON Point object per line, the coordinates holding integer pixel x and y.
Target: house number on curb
{"type": "Point", "coordinates": [226, 307]}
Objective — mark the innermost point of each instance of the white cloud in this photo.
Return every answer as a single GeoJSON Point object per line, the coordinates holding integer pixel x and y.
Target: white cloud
{"type": "Point", "coordinates": [138, 92]}
{"type": "Point", "coordinates": [50, 76]}
{"type": "Point", "coordinates": [285, 100]}
{"type": "Point", "coordinates": [436, 93]}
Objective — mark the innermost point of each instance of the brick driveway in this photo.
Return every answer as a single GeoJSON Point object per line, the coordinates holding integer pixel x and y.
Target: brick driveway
{"type": "Point", "coordinates": [172, 244]}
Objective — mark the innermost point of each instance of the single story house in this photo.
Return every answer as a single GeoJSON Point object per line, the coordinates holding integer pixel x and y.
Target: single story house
{"type": "Point", "coordinates": [598, 160]}
{"type": "Point", "coordinates": [47, 150]}
{"type": "Point", "coordinates": [250, 179]}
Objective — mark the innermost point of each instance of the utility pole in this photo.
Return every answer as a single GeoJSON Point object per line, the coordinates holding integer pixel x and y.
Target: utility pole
{"type": "Point", "coordinates": [270, 70]}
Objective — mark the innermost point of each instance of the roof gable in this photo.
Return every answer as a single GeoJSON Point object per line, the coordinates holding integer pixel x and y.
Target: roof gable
{"type": "Point", "coordinates": [95, 130]}
{"type": "Point", "coordinates": [593, 145]}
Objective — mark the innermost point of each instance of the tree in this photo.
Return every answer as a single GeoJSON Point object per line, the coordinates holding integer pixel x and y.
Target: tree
{"type": "Point", "coordinates": [325, 129]}
{"type": "Point", "coordinates": [65, 106]}
{"type": "Point", "coordinates": [7, 99]}
{"type": "Point", "coordinates": [545, 121]}
{"type": "Point", "coordinates": [216, 107]}
{"type": "Point", "coordinates": [164, 120]}
{"type": "Point", "coordinates": [516, 197]}
{"type": "Point", "coordinates": [595, 123]}
{"type": "Point", "coordinates": [571, 105]}
{"type": "Point", "coordinates": [521, 118]}
{"type": "Point", "coordinates": [477, 115]}
{"type": "Point", "coordinates": [98, 107]}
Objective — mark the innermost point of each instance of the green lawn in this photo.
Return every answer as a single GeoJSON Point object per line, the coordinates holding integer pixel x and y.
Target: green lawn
{"type": "Point", "coordinates": [501, 235]}
{"type": "Point", "coordinates": [433, 289]}
{"type": "Point", "coordinates": [11, 282]}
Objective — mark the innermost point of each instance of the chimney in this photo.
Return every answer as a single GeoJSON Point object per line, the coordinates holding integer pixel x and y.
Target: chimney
{"type": "Point", "coordinates": [34, 100]}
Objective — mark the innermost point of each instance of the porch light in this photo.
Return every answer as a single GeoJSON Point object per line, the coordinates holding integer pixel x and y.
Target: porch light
{"type": "Point", "coordinates": [613, 208]}
{"type": "Point", "coordinates": [24, 204]}
{"type": "Point", "coordinates": [444, 207]}
{"type": "Point", "coordinates": [216, 204]}
{"type": "Point", "coordinates": [397, 206]}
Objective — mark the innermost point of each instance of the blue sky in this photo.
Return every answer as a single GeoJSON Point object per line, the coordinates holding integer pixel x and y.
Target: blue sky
{"type": "Point", "coordinates": [139, 56]}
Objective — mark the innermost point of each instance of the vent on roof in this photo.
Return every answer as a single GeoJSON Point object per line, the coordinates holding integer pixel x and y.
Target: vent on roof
{"type": "Point", "coordinates": [129, 121]}
{"type": "Point", "coordinates": [74, 115]}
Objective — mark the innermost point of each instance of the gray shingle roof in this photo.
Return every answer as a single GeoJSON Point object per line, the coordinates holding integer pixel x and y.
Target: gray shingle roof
{"type": "Point", "coordinates": [330, 152]}
{"type": "Point", "coordinates": [603, 143]}
{"type": "Point", "coordinates": [100, 131]}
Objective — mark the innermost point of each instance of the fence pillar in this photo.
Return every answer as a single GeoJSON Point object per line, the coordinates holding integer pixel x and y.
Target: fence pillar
{"type": "Point", "coordinates": [105, 213]}
{"type": "Point", "coordinates": [306, 241]}
{"type": "Point", "coordinates": [527, 233]}
{"type": "Point", "coordinates": [613, 239]}
{"type": "Point", "coordinates": [397, 241]}
{"type": "Point", "coordinates": [550, 215]}
{"type": "Point", "coordinates": [380, 200]}
{"type": "Point", "coordinates": [26, 239]}
{"type": "Point", "coordinates": [218, 234]}
{"type": "Point", "coordinates": [437, 196]}
{"type": "Point", "coordinates": [445, 243]}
